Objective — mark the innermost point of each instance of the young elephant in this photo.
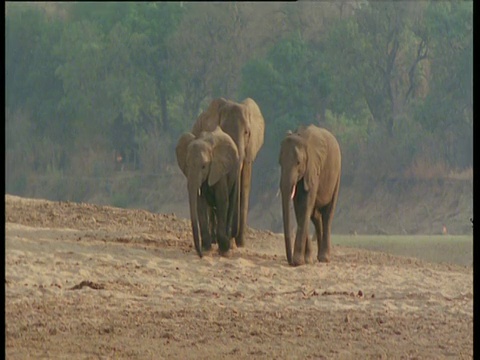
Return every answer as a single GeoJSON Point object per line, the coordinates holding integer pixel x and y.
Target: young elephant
{"type": "Point", "coordinates": [310, 163]}
{"type": "Point", "coordinates": [210, 162]}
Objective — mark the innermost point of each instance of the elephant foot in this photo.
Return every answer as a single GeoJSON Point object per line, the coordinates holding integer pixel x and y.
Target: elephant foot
{"type": "Point", "coordinates": [223, 245]}
{"type": "Point", "coordinates": [225, 254]}
{"type": "Point", "coordinates": [240, 242]}
{"type": "Point", "coordinates": [298, 260]}
{"type": "Point", "coordinates": [206, 249]}
{"type": "Point", "coordinates": [206, 242]}
{"type": "Point", "coordinates": [309, 259]}
{"type": "Point", "coordinates": [323, 258]}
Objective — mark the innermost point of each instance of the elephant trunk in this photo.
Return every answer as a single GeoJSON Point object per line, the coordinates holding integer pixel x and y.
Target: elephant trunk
{"type": "Point", "coordinates": [193, 190]}
{"type": "Point", "coordinates": [288, 193]}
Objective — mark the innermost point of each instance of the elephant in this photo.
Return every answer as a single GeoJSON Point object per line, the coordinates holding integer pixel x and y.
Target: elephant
{"type": "Point", "coordinates": [210, 162]}
{"type": "Point", "coordinates": [310, 161]}
{"type": "Point", "coordinates": [245, 124]}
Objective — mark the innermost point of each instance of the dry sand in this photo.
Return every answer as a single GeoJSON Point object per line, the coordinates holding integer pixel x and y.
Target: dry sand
{"type": "Point", "coordinates": [94, 282]}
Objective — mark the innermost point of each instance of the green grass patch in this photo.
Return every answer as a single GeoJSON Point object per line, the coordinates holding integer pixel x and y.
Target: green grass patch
{"type": "Point", "coordinates": [454, 249]}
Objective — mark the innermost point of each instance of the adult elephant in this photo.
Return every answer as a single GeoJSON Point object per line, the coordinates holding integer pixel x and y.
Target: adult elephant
{"type": "Point", "coordinates": [310, 161]}
{"type": "Point", "coordinates": [210, 163]}
{"type": "Point", "coordinates": [245, 124]}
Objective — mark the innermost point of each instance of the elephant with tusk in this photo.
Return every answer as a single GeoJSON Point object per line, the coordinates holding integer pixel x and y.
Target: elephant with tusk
{"type": "Point", "coordinates": [210, 162]}
{"type": "Point", "coordinates": [310, 162]}
{"type": "Point", "coordinates": [245, 124]}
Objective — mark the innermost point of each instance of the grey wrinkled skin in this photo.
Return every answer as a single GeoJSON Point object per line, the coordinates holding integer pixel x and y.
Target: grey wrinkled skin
{"type": "Point", "coordinates": [310, 161]}
{"type": "Point", "coordinates": [244, 123]}
{"type": "Point", "coordinates": [210, 162]}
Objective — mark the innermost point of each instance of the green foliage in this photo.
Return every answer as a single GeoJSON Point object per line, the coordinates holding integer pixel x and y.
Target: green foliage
{"type": "Point", "coordinates": [349, 130]}
{"type": "Point", "coordinates": [450, 26]}
{"type": "Point", "coordinates": [118, 66]}
{"type": "Point", "coordinates": [382, 65]}
{"type": "Point", "coordinates": [345, 66]}
{"type": "Point", "coordinates": [447, 110]}
{"type": "Point", "coordinates": [105, 14]}
{"type": "Point", "coordinates": [392, 80]}
{"type": "Point", "coordinates": [121, 200]}
{"type": "Point", "coordinates": [29, 81]}
{"type": "Point", "coordinates": [260, 79]}
{"type": "Point", "coordinates": [82, 51]}
{"type": "Point", "coordinates": [352, 135]}
{"type": "Point", "coordinates": [278, 84]}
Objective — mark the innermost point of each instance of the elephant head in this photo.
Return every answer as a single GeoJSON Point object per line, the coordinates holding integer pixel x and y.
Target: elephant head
{"type": "Point", "coordinates": [310, 172]}
{"type": "Point", "coordinates": [209, 158]}
{"type": "Point", "coordinates": [245, 125]}
{"type": "Point", "coordinates": [301, 157]}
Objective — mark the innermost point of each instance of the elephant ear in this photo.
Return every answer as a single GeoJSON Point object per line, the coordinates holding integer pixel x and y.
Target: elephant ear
{"type": "Point", "coordinates": [210, 118]}
{"type": "Point", "coordinates": [224, 156]}
{"type": "Point", "coordinates": [257, 129]}
{"type": "Point", "coordinates": [181, 150]}
{"type": "Point", "coordinates": [317, 147]}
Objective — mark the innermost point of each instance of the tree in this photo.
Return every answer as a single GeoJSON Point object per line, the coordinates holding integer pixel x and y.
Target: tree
{"type": "Point", "coordinates": [288, 84]}
{"type": "Point", "coordinates": [152, 24]}
{"type": "Point", "coordinates": [30, 83]}
{"type": "Point", "coordinates": [117, 66]}
{"type": "Point", "coordinates": [32, 91]}
{"type": "Point", "coordinates": [212, 44]}
{"type": "Point", "coordinates": [206, 52]}
{"type": "Point", "coordinates": [376, 55]}
{"type": "Point", "coordinates": [447, 110]}
{"type": "Point", "coordinates": [83, 73]}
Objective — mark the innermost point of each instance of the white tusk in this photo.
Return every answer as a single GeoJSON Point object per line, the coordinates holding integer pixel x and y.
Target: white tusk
{"type": "Point", "coordinates": [199, 193]}
{"type": "Point", "coordinates": [293, 191]}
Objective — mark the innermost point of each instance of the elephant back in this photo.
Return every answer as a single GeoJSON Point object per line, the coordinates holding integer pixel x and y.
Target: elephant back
{"type": "Point", "coordinates": [323, 146]}
{"type": "Point", "coordinates": [210, 118]}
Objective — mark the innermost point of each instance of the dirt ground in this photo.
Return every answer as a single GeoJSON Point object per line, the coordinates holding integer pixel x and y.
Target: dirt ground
{"type": "Point", "coordinates": [93, 282]}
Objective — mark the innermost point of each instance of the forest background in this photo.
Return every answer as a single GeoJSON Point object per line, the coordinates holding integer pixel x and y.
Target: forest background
{"type": "Point", "coordinates": [97, 95]}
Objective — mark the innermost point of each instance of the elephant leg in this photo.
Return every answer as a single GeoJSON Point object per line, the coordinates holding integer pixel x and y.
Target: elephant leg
{"type": "Point", "coordinates": [317, 222]}
{"type": "Point", "coordinates": [324, 246]}
{"type": "Point", "coordinates": [232, 213]}
{"type": "Point", "coordinates": [222, 203]}
{"type": "Point", "coordinates": [303, 206]}
{"type": "Point", "coordinates": [203, 211]}
{"type": "Point", "coordinates": [308, 249]}
{"type": "Point", "coordinates": [244, 189]}
{"type": "Point", "coordinates": [327, 218]}
{"type": "Point", "coordinates": [212, 222]}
